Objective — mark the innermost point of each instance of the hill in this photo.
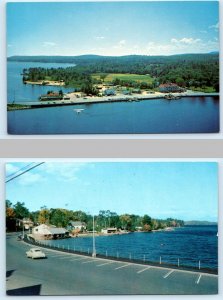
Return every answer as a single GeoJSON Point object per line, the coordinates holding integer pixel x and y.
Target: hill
{"type": "Point", "coordinates": [195, 223]}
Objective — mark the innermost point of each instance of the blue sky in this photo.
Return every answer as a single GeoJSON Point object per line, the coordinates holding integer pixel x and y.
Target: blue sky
{"type": "Point", "coordinates": [184, 190]}
{"type": "Point", "coordinates": [112, 28]}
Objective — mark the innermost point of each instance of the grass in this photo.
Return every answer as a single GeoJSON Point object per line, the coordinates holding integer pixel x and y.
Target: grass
{"type": "Point", "coordinates": [125, 77]}
{"type": "Point", "coordinates": [206, 89]}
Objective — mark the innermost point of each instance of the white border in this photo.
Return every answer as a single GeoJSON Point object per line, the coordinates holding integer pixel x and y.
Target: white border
{"type": "Point", "coordinates": [3, 92]}
{"type": "Point", "coordinates": [175, 297]}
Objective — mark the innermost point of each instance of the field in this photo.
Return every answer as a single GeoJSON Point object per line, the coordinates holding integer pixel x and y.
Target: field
{"type": "Point", "coordinates": [125, 77]}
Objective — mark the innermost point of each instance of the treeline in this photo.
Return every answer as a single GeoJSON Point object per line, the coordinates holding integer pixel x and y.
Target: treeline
{"type": "Point", "coordinates": [61, 218]}
{"type": "Point", "coordinates": [187, 70]}
{"type": "Point", "coordinates": [80, 80]}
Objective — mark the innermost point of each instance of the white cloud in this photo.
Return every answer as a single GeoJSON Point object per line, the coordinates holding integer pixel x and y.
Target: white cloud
{"type": "Point", "coordinates": [11, 169]}
{"type": "Point", "coordinates": [183, 45]}
{"type": "Point", "coordinates": [99, 37]}
{"type": "Point", "coordinates": [49, 44]}
{"type": "Point", "coordinates": [215, 26]}
{"type": "Point", "coordinates": [120, 44]}
{"type": "Point", "coordinates": [188, 41]}
{"type": "Point", "coordinates": [65, 171]}
{"type": "Point", "coordinates": [31, 178]}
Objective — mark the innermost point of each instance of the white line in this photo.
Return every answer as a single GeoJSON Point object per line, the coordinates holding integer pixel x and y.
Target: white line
{"type": "Point", "coordinates": [64, 257]}
{"type": "Point", "coordinates": [165, 276]}
{"type": "Point", "coordinates": [122, 267]}
{"type": "Point", "coordinates": [143, 270]}
{"type": "Point", "coordinates": [83, 258]}
{"type": "Point", "coordinates": [199, 278]}
{"type": "Point", "coordinates": [107, 263]}
{"type": "Point", "coordinates": [89, 261]}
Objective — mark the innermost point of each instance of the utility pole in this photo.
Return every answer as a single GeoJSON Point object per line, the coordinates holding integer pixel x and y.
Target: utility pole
{"type": "Point", "coordinates": [94, 249]}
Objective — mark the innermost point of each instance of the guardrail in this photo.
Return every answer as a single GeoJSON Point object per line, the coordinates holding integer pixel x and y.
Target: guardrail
{"type": "Point", "coordinates": [160, 263]}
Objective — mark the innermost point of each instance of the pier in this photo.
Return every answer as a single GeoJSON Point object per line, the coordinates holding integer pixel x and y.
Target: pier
{"type": "Point", "coordinates": [108, 99]}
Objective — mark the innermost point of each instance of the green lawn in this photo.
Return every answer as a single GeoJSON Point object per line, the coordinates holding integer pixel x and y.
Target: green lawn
{"type": "Point", "coordinates": [125, 77]}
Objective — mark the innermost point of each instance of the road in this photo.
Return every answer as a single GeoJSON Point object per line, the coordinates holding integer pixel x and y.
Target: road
{"type": "Point", "coordinates": [72, 274]}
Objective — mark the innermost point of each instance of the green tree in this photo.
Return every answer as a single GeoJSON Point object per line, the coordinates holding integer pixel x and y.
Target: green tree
{"type": "Point", "coordinates": [20, 210]}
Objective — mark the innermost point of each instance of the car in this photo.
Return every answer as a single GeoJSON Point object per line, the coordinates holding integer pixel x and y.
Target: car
{"type": "Point", "coordinates": [35, 253]}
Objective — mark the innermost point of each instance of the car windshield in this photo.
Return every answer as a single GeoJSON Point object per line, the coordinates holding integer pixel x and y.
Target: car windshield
{"type": "Point", "coordinates": [36, 250]}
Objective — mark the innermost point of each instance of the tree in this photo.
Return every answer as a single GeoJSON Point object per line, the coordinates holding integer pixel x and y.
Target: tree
{"type": "Point", "coordinates": [102, 77]}
{"type": "Point", "coordinates": [147, 223]}
{"type": "Point", "coordinates": [44, 215]}
{"type": "Point", "coordinates": [20, 210]}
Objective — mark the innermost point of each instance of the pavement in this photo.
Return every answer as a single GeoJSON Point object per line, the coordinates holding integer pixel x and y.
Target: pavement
{"type": "Point", "coordinates": [71, 274]}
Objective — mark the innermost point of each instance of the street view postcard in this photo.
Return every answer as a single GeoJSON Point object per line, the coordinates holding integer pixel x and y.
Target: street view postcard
{"type": "Point", "coordinates": [113, 67]}
{"type": "Point", "coordinates": [111, 228]}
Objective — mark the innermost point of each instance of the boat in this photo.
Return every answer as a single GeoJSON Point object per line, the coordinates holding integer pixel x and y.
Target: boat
{"type": "Point", "coordinates": [78, 110]}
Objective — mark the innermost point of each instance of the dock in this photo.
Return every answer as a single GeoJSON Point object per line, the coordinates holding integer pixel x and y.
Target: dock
{"type": "Point", "coordinates": [107, 99]}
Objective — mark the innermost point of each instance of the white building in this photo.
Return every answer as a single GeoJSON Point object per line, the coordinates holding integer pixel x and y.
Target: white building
{"type": "Point", "coordinates": [109, 230]}
{"type": "Point", "coordinates": [45, 232]}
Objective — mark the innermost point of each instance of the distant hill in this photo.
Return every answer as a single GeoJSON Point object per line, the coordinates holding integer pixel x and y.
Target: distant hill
{"type": "Point", "coordinates": [206, 223]}
{"type": "Point", "coordinates": [90, 58]}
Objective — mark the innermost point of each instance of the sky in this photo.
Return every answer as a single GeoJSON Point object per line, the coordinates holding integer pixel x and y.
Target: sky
{"type": "Point", "coordinates": [183, 190]}
{"type": "Point", "coordinates": [112, 28]}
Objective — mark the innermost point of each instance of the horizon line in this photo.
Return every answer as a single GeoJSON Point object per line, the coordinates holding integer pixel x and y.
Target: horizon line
{"type": "Point", "coordinates": [100, 55]}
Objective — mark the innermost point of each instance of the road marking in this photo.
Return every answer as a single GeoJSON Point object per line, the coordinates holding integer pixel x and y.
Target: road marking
{"type": "Point", "coordinates": [83, 258]}
{"type": "Point", "coordinates": [143, 270]}
{"type": "Point", "coordinates": [168, 274]}
{"type": "Point", "coordinates": [198, 279]}
{"type": "Point", "coordinates": [64, 257]}
{"type": "Point", "coordinates": [89, 261]}
{"type": "Point", "coordinates": [124, 266]}
{"type": "Point", "coordinates": [107, 263]}
{"type": "Point", "coordinates": [59, 255]}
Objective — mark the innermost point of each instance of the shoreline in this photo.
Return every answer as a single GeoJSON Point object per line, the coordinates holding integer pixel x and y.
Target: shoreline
{"type": "Point", "coordinates": [105, 99]}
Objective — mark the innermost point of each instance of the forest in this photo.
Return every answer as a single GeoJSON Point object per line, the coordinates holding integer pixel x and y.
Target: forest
{"type": "Point", "coordinates": [61, 217]}
{"type": "Point", "coordinates": [194, 71]}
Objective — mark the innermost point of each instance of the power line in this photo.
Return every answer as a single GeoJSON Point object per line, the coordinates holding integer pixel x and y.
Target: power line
{"type": "Point", "coordinates": [24, 172]}
{"type": "Point", "coordinates": [18, 171]}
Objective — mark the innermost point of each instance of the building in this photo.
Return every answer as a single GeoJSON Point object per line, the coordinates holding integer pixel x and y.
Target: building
{"type": "Point", "coordinates": [77, 225]}
{"type": "Point", "coordinates": [45, 232]}
{"type": "Point", "coordinates": [169, 88]}
{"type": "Point", "coordinates": [109, 92]}
{"type": "Point", "coordinates": [27, 223]}
{"type": "Point", "coordinates": [109, 230]}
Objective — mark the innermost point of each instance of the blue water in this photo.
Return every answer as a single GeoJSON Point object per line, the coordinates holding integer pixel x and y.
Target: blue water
{"type": "Point", "coordinates": [187, 115]}
{"type": "Point", "coordinates": [190, 244]}
{"type": "Point", "coordinates": [19, 92]}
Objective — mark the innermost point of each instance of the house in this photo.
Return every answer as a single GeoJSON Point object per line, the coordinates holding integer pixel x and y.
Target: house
{"type": "Point", "coordinates": [49, 232]}
{"type": "Point", "coordinates": [77, 225]}
{"type": "Point", "coordinates": [51, 96]}
{"type": "Point", "coordinates": [169, 88]}
{"type": "Point", "coordinates": [109, 230]}
{"type": "Point", "coordinates": [27, 223]}
{"type": "Point", "coordinates": [109, 92]}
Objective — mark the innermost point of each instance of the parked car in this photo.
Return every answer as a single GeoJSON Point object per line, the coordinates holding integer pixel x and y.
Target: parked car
{"type": "Point", "coordinates": [35, 253]}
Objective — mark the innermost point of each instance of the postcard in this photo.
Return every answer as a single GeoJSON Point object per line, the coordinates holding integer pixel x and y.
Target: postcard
{"type": "Point", "coordinates": [113, 67]}
{"type": "Point", "coordinates": [111, 228]}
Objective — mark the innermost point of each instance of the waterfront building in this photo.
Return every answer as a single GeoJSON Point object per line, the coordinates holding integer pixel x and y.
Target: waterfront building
{"type": "Point", "coordinates": [169, 88]}
{"type": "Point", "coordinates": [48, 232]}
{"type": "Point", "coordinates": [109, 230]}
{"type": "Point", "coordinates": [77, 225]}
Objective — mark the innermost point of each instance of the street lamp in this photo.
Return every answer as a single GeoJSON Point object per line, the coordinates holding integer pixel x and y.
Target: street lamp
{"type": "Point", "coordinates": [94, 248]}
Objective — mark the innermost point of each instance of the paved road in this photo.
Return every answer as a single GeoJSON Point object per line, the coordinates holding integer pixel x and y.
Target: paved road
{"type": "Point", "coordinates": [71, 274]}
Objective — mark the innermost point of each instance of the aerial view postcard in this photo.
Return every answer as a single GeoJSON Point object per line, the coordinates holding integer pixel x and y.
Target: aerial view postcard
{"type": "Point", "coordinates": [113, 67]}
{"type": "Point", "coordinates": [111, 228]}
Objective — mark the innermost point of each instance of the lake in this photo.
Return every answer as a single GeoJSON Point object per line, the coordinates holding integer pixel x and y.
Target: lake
{"type": "Point", "coordinates": [187, 115]}
{"type": "Point", "coordinates": [188, 244]}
